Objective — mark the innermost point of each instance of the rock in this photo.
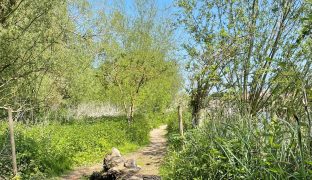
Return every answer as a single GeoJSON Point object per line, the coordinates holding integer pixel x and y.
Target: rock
{"type": "Point", "coordinates": [112, 161]}
{"type": "Point", "coordinates": [115, 152]}
{"type": "Point", "coordinates": [96, 176]}
{"type": "Point", "coordinates": [131, 166]}
{"type": "Point", "coordinates": [151, 177]}
{"type": "Point", "coordinates": [115, 172]}
{"type": "Point", "coordinates": [134, 170]}
{"type": "Point", "coordinates": [116, 167]}
{"type": "Point", "coordinates": [102, 176]}
{"type": "Point", "coordinates": [131, 170]}
{"type": "Point", "coordinates": [130, 163]}
{"type": "Point", "coordinates": [133, 177]}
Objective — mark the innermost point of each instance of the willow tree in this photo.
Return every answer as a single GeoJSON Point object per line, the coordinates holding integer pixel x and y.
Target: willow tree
{"type": "Point", "coordinates": [28, 32]}
{"type": "Point", "coordinates": [241, 48]}
{"type": "Point", "coordinates": [135, 51]}
{"type": "Point", "coordinates": [38, 39]}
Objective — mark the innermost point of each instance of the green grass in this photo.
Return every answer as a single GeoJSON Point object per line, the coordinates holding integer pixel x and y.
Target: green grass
{"type": "Point", "coordinates": [50, 150]}
{"type": "Point", "coordinates": [239, 148]}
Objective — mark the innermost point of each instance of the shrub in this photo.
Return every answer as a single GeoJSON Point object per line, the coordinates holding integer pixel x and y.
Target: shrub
{"type": "Point", "coordinates": [138, 131]}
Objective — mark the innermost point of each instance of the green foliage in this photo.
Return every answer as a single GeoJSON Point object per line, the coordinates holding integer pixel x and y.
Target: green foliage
{"type": "Point", "coordinates": [138, 131]}
{"type": "Point", "coordinates": [240, 148]}
{"type": "Point", "coordinates": [231, 48]}
{"type": "Point", "coordinates": [48, 150]}
{"type": "Point", "coordinates": [137, 69]}
{"type": "Point", "coordinates": [159, 118]}
{"type": "Point", "coordinates": [29, 34]}
{"type": "Point", "coordinates": [240, 70]}
{"type": "Point", "coordinates": [45, 60]}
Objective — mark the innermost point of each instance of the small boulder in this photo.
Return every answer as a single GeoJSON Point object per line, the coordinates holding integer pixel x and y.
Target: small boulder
{"type": "Point", "coordinates": [112, 161]}
{"type": "Point", "coordinates": [116, 167]}
{"type": "Point", "coordinates": [130, 163]}
{"type": "Point", "coordinates": [102, 176]}
{"type": "Point", "coordinates": [151, 177]}
{"type": "Point", "coordinates": [134, 170]}
{"type": "Point", "coordinates": [115, 172]}
{"type": "Point", "coordinates": [115, 152]}
{"type": "Point", "coordinates": [96, 176]}
{"type": "Point", "coordinates": [131, 167]}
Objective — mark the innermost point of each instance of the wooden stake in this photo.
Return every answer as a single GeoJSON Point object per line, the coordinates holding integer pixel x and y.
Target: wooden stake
{"type": "Point", "coordinates": [180, 120]}
{"type": "Point", "coordinates": [306, 108]}
{"type": "Point", "coordinates": [11, 127]}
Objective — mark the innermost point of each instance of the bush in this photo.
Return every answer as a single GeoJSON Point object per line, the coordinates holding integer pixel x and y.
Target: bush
{"type": "Point", "coordinates": [49, 150]}
{"type": "Point", "coordinates": [139, 130]}
{"type": "Point", "coordinates": [240, 148]}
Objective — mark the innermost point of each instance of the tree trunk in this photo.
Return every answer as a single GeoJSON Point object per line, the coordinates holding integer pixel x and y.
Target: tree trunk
{"type": "Point", "coordinates": [196, 107]}
{"type": "Point", "coordinates": [197, 104]}
{"type": "Point", "coordinates": [131, 113]}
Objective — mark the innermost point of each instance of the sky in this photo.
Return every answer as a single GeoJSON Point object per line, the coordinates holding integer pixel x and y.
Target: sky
{"type": "Point", "coordinates": [160, 3]}
{"type": "Point", "coordinates": [165, 7]}
{"type": "Point", "coordinates": [99, 4]}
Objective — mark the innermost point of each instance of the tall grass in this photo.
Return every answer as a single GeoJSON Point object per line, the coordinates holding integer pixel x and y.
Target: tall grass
{"type": "Point", "coordinates": [241, 148]}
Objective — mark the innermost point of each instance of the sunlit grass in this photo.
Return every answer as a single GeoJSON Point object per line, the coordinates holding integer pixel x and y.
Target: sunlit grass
{"type": "Point", "coordinates": [49, 150]}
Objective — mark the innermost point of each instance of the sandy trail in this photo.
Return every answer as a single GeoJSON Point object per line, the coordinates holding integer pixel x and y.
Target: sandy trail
{"type": "Point", "coordinates": [148, 158]}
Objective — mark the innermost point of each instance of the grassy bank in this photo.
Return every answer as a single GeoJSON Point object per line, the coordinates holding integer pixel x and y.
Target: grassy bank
{"type": "Point", "coordinates": [46, 150]}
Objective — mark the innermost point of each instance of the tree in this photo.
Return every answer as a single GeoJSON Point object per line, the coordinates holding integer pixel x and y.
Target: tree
{"type": "Point", "coordinates": [38, 40]}
{"type": "Point", "coordinates": [135, 57]}
{"type": "Point", "coordinates": [239, 48]}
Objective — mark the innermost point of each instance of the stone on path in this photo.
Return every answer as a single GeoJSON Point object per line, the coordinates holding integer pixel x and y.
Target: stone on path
{"type": "Point", "coordinates": [115, 152]}
{"type": "Point", "coordinates": [116, 167]}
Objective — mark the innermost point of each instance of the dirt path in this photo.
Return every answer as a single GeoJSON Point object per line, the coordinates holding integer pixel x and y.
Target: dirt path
{"type": "Point", "coordinates": [148, 158]}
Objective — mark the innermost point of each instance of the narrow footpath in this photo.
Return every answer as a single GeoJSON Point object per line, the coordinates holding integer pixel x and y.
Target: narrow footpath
{"type": "Point", "coordinates": [148, 158]}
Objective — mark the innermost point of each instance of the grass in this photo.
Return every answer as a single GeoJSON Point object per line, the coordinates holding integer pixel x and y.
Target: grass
{"type": "Point", "coordinates": [239, 148]}
{"type": "Point", "coordinates": [46, 150]}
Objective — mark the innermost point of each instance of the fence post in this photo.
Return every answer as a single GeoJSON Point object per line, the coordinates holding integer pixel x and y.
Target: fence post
{"type": "Point", "coordinates": [11, 127]}
{"type": "Point", "coordinates": [306, 108]}
{"type": "Point", "coordinates": [180, 120]}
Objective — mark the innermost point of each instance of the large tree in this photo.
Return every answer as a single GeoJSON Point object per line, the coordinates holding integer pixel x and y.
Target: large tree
{"type": "Point", "coordinates": [135, 52]}
{"type": "Point", "coordinates": [242, 49]}
{"type": "Point", "coordinates": [42, 52]}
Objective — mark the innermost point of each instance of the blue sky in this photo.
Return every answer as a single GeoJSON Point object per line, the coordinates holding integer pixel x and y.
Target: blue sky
{"type": "Point", "coordinates": [99, 4]}
{"type": "Point", "coordinates": [160, 3]}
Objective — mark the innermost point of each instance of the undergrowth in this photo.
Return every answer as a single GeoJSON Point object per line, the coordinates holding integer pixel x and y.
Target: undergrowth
{"type": "Point", "coordinates": [239, 148]}
{"type": "Point", "coordinates": [45, 150]}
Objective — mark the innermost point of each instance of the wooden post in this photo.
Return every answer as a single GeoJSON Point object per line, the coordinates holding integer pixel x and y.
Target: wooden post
{"type": "Point", "coordinates": [180, 120]}
{"type": "Point", "coordinates": [12, 141]}
{"type": "Point", "coordinates": [306, 108]}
